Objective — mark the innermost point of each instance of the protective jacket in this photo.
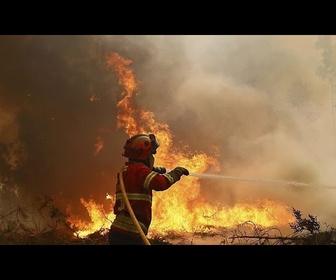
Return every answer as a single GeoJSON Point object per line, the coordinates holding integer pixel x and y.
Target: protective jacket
{"type": "Point", "coordinates": [139, 181]}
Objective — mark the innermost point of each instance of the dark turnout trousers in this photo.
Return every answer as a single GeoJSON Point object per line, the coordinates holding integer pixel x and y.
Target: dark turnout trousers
{"type": "Point", "coordinates": [118, 238]}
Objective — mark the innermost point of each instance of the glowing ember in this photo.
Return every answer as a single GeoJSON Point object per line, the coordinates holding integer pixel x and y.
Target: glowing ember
{"type": "Point", "coordinates": [182, 207]}
{"type": "Point", "coordinates": [99, 145]}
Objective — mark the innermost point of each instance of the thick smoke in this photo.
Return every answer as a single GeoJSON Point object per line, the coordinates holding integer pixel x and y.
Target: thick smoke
{"type": "Point", "coordinates": [262, 105]}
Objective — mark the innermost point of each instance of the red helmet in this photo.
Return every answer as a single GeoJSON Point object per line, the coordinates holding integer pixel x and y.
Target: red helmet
{"type": "Point", "coordinates": [140, 146]}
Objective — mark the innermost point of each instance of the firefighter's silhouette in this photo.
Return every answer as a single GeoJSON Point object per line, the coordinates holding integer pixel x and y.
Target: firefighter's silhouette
{"type": "Point", "coordinates": [138, 178]}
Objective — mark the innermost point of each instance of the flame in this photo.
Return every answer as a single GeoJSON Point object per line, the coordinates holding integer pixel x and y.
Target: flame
{"type": "Point", "coordinates": [99, 145]}
{"type": "Point", "coordinates": [99, 220]}
{"type": "Point", "coordinates": [181, 208]}
{"type": "Point", "coordinates": [94, 97]}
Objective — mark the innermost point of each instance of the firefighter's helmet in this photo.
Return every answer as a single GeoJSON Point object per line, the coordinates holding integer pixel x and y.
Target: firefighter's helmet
{"type": "Point", "coordinates": [140, 146]}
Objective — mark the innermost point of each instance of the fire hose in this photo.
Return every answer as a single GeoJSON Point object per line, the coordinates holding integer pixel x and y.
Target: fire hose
{"type": "Point", "coordinates": [130, 210]}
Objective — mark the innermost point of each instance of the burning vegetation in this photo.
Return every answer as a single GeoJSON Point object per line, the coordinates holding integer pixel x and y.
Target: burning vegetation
{"type": "Point", "coordinates": [43, 223]}
{"type": "Point", "coordinates": [181, 215]}
{"type": "Point", "coordinates": [182, 208]}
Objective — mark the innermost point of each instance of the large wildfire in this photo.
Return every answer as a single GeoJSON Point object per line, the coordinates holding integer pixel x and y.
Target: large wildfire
{"type": "Point", "coordinates": [259, 109]}
{"type": "Point", "coordinates": [182, 208]}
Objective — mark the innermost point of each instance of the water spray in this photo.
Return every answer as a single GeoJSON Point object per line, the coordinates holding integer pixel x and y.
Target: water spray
{"type": "Point", "coordinates": [253, 180]}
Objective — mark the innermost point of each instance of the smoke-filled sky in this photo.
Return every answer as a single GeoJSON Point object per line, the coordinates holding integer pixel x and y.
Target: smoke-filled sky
{"type": "Point", "coordinates": [261, 105]}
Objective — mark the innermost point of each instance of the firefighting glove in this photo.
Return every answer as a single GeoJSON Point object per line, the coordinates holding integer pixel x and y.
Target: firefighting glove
{"type": "Point", "coordinates": [177, 173]}
{"type": "Point", "coordinates": [160, 170]}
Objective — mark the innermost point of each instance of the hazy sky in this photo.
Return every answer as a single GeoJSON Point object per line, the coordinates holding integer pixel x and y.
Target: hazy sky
{"type": "Point", "coordinates": [259, 104]}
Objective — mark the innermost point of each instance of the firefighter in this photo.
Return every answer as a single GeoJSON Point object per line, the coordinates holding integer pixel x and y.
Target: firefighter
{"type": "Point", "coordinates": [139, 179]}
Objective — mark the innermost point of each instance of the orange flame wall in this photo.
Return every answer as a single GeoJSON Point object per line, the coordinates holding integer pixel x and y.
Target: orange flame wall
{"type": "Point", "coordinates": [182, 207]}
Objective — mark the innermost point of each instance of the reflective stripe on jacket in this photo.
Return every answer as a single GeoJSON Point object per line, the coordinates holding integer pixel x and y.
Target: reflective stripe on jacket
{"type": "Point", "coordinates": [126, 223]}
{"type": "Point", "coordinates": [139, 182]}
